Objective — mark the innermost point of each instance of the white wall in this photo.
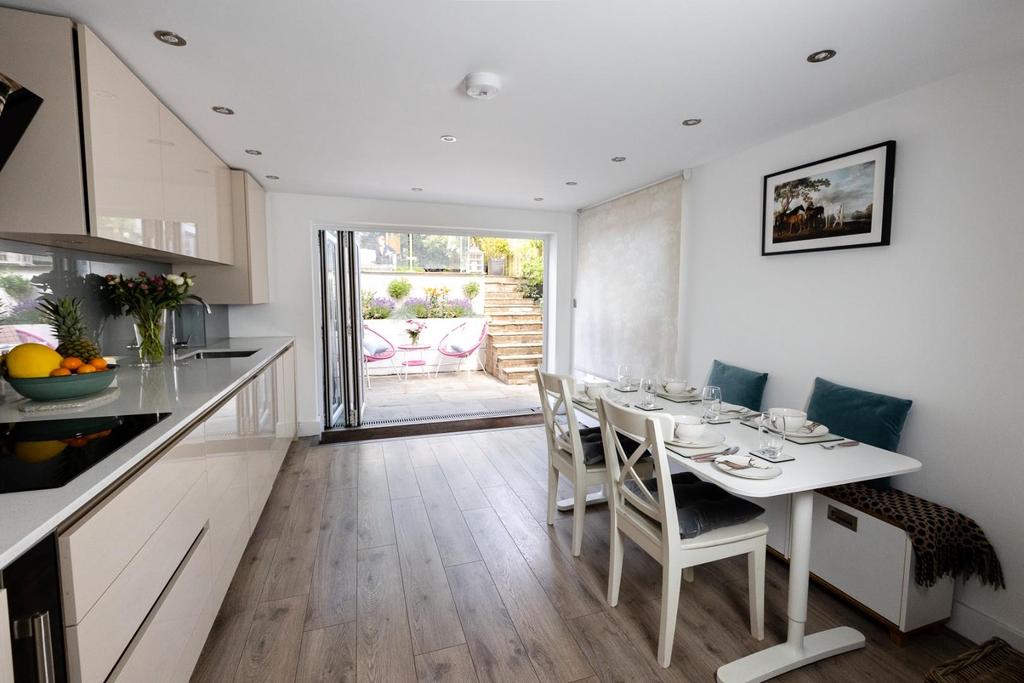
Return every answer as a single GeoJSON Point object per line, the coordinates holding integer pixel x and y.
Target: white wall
{"type": "Point", "coordinates": [294, 271]}
{"type": "Point", "coordinates": [938, 316]}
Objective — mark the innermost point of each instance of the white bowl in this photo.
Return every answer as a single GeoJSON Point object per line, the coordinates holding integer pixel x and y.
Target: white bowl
{"type": "Point", "coordinates": [593, 389]}
{"type": "Point", "coordinates": [688, 427]}
{"type": "Point", "coordinates": [674, 387]}
{"type": "Point", "coordinates": [793, 418]}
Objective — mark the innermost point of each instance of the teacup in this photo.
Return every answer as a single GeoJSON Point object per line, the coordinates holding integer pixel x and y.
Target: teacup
{"type": "Point", "coordinates": [593, 389]}
{"type": "Point", "coordinates": [793, 419]}
{"type": "Point", "coordinates": [675, 386]}
{"type": "Point", "coordinates": [688, 427]}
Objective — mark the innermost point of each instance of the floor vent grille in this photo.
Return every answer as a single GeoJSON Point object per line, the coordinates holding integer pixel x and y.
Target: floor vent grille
{"type": "Point", "coordinates": [450, 417]}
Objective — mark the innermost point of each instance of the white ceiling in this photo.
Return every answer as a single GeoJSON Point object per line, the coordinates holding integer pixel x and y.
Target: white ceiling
{"type": "Point", "coordinates": [350, 98]}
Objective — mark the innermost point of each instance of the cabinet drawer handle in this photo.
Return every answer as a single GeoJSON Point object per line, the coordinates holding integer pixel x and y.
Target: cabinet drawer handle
{"type": "Point", "coordinates": [843, 519]}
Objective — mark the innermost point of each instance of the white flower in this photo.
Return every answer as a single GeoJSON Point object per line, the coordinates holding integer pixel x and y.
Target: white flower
{"type": "Point", "coordinates": [175, 279]}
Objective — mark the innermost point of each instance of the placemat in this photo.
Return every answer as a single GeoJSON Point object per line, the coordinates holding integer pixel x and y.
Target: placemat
{"type": "Point", "coordinates": [802, 440]}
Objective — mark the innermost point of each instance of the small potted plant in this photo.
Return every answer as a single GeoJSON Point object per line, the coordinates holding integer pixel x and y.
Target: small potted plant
{"type": "Point", "coordinates": [414, 328]}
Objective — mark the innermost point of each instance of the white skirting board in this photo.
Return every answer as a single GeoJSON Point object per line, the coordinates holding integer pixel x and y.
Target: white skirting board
{"type": "Point", "coordinates": [309, 428]}
{"type": "Point", "coordinates": [978, 627]}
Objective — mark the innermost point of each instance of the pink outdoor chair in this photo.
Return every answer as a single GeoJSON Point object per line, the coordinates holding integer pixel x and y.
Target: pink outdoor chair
{"type": "Point", "coordinates": [452, 349]}
{"type": "Point", "coordinates": [376, 347]}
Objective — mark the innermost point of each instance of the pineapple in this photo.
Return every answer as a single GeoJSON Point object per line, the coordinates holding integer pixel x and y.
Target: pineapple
{"type": "Point", "coordinates": [65, 317]}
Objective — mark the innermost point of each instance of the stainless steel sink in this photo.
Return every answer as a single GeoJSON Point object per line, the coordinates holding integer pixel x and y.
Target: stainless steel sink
{"type": "Point", "coordinates": [222, 354]}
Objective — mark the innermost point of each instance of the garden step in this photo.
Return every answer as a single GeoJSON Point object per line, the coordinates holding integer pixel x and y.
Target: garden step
{"type": "Point", "coordinates": [516, 375]}
{"type": "Point", "coordinates": [515, 317]}
{"type": "Point", "coordinates": [525, 360]}
{"type": "Point", "coordinates": [518, 347]}
{"type": "Point", "coordinates": [520, 337]}
{"type": "Point", "coordinates": [512, 308]}
{"type": "Point", "coordinates": [522, 326]}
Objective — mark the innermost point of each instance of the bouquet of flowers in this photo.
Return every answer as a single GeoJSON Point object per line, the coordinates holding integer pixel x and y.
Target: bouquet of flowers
{"type": "Point", "coordinates": [414, 328]}
{"type": "Point", "coordinates": [147, 298]}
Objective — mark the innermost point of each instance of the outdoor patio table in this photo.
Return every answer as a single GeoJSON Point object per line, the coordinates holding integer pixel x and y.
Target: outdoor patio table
{"type": "Point", "coordinates": [813, 468]}
{"type": "Point", "coordinates": [417, 362]}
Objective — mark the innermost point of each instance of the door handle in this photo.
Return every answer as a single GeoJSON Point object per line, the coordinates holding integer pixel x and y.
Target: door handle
{"type": "Point", "coordinates": [37, 627]}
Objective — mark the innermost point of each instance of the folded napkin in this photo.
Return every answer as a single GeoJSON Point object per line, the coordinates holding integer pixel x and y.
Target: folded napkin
{"type": "Point", "coordinates": [742, 462]}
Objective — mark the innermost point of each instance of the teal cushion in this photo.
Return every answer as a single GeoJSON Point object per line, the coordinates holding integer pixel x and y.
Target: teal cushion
{"type": "Point", "coordinates": [870, 418]}
{"type": "Point", "coordinates": [740, 386]}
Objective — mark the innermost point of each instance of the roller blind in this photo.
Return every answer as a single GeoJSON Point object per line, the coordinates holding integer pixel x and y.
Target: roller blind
{"type": "Point", "coordinates": [627, 282]}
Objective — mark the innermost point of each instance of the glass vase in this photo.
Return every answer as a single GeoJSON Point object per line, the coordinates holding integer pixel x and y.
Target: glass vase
{"type": "Point", "coordinates": [149, 335]}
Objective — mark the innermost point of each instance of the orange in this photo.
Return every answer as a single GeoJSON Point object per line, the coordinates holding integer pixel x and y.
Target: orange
{"type": "Point", "coordinates": [60, 372]}
{"type": "Point", "coordinates": [99, 363]}
{"type": "Point", "coordinates": [86, 369]}
{"type": "Point", "coordinates": [71, 363]}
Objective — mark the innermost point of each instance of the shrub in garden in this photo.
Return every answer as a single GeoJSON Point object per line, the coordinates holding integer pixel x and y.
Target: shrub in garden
{"type": "Point", "coordinates": [399, 289]}
{"type": "Point", "coordinates": [471, 289]}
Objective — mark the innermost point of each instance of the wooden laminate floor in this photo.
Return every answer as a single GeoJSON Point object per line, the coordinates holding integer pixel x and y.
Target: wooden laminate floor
{"type": "Point", "coordinates": [429, 559]}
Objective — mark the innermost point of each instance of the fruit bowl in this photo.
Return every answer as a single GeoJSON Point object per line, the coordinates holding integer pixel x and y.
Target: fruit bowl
{"type": "Point", "coordinates": [60, 388]}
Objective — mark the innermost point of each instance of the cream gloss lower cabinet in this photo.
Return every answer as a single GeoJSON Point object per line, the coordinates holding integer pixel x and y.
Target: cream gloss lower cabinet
{"type": "Point", "coordinates": [145, 571]}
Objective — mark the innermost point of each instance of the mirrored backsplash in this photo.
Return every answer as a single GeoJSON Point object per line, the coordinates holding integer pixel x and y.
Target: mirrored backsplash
{"type": "Point", "coordinates": [29, 272]}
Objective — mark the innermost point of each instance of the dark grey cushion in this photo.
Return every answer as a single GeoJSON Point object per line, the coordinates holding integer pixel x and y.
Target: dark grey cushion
{"type": "Point", "coordinates": [593, 446]}
{"type": "Point", "coordinates": [701, 506]}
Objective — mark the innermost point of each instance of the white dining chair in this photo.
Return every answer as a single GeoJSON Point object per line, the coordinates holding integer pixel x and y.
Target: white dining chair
{"type": "Point", "coordinates": [650, 519]}
{"type": "Point", "coordinates": [565, 451]}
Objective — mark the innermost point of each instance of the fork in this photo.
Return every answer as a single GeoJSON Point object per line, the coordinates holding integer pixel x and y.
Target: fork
{"type": "Point", "coordinates": [839, 444]}
{"type": "Point", "coordinates": [703, 457]}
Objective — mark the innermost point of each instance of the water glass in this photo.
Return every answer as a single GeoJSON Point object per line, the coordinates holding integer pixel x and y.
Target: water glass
{"type": "Point", "coordinates": [772, 435]}
{"type": "Point", "coordinates": [625, 376]}
{"type": "Point", "coordinates": [711, 403]}
{"type": "Point", "coordinates": [648, 391]}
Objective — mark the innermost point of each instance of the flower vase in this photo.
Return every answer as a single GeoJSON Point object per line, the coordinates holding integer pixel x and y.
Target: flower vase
{"type": "Point", "coordinates": [149, 335]}
{"type": "Point", "coordinates": [414, 339]}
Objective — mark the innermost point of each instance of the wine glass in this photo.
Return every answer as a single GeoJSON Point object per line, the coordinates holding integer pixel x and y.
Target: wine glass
{"type": "Point", "coordinates": [625, 376]}
{"type": "Point", "coordinates": [648, 387]}
{"type": "Point", "coordinates": [711, 403]}
{"type": "Point", "coordinates": [771, 435]}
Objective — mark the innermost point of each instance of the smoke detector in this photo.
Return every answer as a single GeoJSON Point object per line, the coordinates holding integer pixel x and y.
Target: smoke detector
{"type": "Point", "coordinates": [483, 85]}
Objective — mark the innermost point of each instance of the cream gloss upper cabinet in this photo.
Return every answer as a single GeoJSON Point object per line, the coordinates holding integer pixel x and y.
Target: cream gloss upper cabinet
{"type": "Point", "coordinates": [123, 134]}
{"type": "Point", "coordinates": [41, 186]}
{"type": "Point", "coordinates": [247, 281]}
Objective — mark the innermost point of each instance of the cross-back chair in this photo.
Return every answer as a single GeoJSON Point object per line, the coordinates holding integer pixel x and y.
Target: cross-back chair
{"type": "Point", "coordinates": [645, 510]}
{"type": "Point", "coordinates": [566, 455]}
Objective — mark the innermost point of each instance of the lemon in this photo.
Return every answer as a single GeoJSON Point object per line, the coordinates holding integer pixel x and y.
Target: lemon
{"type": "Point", "coordinates": [32, 360]}
{"type": "Point", "coordinates": [38, 451]}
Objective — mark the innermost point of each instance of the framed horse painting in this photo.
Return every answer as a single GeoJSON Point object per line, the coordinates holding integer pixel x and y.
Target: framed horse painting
{"type": "Point", "coordinates": [841, 202]}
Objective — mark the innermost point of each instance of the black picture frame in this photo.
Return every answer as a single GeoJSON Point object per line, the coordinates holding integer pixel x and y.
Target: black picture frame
{"type": "Point", "coordinates": [831, 231]}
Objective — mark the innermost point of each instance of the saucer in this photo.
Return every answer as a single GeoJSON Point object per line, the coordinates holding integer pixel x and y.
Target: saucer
{"type": "Point", "coordinates": [706, 440]}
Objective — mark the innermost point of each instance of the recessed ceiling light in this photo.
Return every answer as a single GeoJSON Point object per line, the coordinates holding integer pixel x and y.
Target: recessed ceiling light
{"type": "Point", "coordinates": [227, 111]}
{"type": "Point", "coordinates": [272, 177]}
{"type": "Point", "coordinates": [538, 199]}
{"type": "Point", "coordinates": [571, 183]}
{"type": "Point", "coordinates": [821, 56]}
{"type": "Point", "coordinates": [254, 152]}
{"type": "Point", "coordinates": [448, 138]}
{"type": "Point", "coordinates": [618, 159]}
{"type": "Point", "coordinates": [170, 38]}
{"type": "Point", "coordinates": [416, 189]}
{"type": "Point", "coordinates": [691, 122]}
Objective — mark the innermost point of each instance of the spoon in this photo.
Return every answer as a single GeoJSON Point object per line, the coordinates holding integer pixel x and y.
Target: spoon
{"type": "Point", "coordinates": [704, 457]}
{"type": "Point", "coordinates": [839, 444]}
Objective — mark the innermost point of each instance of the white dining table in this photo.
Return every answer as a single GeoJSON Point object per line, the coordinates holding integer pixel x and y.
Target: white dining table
{"type": "Point", "coordinates": [812, 468]}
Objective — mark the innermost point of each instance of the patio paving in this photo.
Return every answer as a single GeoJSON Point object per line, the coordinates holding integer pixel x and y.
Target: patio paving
{"type": "Point", "coordinates": [423, 396]}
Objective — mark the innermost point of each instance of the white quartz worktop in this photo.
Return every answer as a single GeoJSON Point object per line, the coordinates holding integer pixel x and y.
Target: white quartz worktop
{"type": "Point", "coordinates": [185, 388]}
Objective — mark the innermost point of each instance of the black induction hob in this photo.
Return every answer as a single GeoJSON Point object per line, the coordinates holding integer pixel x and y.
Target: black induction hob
{"type": "Point", "coordinates": [47, 454]}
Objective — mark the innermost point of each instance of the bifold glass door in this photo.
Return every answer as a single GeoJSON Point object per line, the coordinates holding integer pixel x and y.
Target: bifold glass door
{"type": "Point", "coordinates": [342, 329]}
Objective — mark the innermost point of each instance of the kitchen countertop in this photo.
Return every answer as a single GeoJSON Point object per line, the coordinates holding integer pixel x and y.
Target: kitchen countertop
{"type": "Point", "coordinates": [185, 388]}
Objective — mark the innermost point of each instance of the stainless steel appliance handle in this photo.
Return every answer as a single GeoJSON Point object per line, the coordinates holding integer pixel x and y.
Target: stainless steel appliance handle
{"type": "Point", "coordinates": [38, 628]}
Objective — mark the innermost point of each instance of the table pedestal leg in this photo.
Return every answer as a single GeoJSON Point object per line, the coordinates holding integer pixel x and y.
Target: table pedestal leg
{"type": "Point", "coordinates": [594, 498]}
{"type": "Point", "coordinates": [798, 650]}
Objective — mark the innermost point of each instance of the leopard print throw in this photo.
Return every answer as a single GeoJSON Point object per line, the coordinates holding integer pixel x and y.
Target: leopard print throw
{"type": "Point", "coordinates": [946, 543]}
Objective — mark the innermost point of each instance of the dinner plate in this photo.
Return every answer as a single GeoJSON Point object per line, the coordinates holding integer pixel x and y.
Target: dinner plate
{"type": "Point", "coordinates": [584, 400]}
{"type": "Point", "coordinates": [820, 430]}
{"type": "Point", "coordinates": [760, 470]}
{"type": "Point", "coordinates": [706, 440]}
